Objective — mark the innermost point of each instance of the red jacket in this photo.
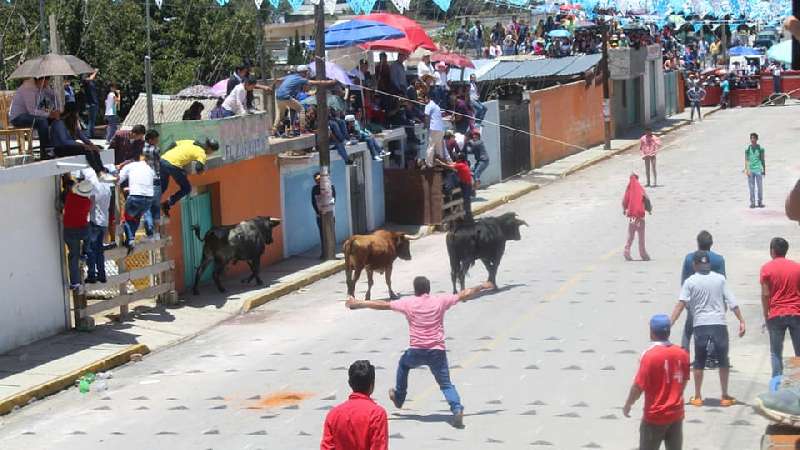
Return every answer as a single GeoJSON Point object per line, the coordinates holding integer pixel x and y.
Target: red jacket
{"type": "Point", "coordinates": [357, 424]}
{"type": "Point", "coordinates": [76, 211]}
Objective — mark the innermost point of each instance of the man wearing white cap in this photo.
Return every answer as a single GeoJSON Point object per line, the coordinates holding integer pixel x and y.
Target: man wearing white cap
{"type": "Point", "coordinates": [285, 95]}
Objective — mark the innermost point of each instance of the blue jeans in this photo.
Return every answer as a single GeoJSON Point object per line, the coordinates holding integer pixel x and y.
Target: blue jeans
{"type": "Point", "coordinates": [373, 146]}
{"type": "Point", "coordinates": [776, 84]}
{"type": "Point", "coordinates": [112, 124]}
{"type": "Point", "coordinates": [777, 327]}
{"type": "Point", "coordinates": [74, 237]}
{"type": "Point", "coordinates": [436, 360]}
{"type": "Point", "coordinates": [96, 260]}
{"type": "Point", "coordinates": [480, 111]}
{"type": "Point", "coordinates": [37, 122]}
{"type": "Point", "coordinates": [167, 171]}
{"type": "Point", "coordinates": [756, 180]}
{"type": "Point", "coordinates": [152, 215]}
{"type": "Point", "coordinates": [91, 120]}
{"type": "Point", "coordinates": [339, 147]}
{"type": "Point", "coordinates": [339, 128]}
{"type": "Point", "coordinates": [480, 166]}
{"type": "Point", "coordinates": [135, 207]}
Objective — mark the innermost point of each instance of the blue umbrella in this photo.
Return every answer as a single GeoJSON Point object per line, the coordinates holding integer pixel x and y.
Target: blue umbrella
{"type": "Point", "coordinates": [781, 51]}
{"type": "Point", "coordinates": [358, 31]}
{"type": "Point", "coordinates": [743, 51]}
{"type": "Point", "coordinates": [559, 34]}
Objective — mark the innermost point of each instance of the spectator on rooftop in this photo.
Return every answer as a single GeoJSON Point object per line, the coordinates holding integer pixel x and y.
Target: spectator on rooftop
{"type": "Point", "coordinates": [424, 66]}
{"type": "Point", "coordinates": [194, 111]}
{"type": "Point", "coordinates": [33, 104]}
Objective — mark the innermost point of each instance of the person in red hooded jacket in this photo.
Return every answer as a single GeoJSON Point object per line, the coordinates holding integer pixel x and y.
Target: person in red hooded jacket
{"type": "Point", "coordinates": [634, 205]}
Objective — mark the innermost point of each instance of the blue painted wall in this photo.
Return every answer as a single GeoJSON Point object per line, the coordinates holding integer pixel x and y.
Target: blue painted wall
{"type": "Point", "coordinates": [299, 220]}
{"type": "Point", "coordinates": [376, 209]}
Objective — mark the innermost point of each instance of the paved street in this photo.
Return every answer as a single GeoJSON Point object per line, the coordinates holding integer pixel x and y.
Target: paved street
{"type": "Point", "coordinates": [547, 361]}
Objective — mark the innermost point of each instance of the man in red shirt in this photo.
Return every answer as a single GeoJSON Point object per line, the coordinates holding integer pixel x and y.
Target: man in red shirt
{"type": "Point", "coordinates": [77, 203]}
{"type": "Point", "coordinates": [780, 301]}
{"type": "Point", "coordinates": [662, 376]}
{"type": "Point", "coordinates": [464, 174]}
{"type": "Point", "coordinates": [359, 423]}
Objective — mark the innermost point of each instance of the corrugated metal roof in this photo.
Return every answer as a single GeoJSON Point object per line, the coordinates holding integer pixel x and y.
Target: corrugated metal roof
{"type": "Point", "coordinates": [167, 108]}
{"type": "Point", "coordinates": [539, 68]}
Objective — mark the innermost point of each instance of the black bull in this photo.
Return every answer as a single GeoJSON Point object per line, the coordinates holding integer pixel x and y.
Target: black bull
{"type": "Point", "coordinates": [232, 243]}
{"type": "Point", "coordinates": [483, 239]}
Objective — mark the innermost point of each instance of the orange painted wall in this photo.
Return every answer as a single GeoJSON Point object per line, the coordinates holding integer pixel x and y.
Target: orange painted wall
{"type": "Point", "coordinates": [239, 191]}
{"type": "Point", "coordinates": [571, 113]}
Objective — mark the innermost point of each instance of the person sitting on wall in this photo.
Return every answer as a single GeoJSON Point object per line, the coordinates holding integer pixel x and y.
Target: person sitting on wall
{"type": "Point", "coordinates": [235, 104]}
{"type": "Point", "coordinates": [173, 164]}
{"type": "Point", "coordinates": [194, 112]}
{"type": "Point", "coordinates": [362, 135]}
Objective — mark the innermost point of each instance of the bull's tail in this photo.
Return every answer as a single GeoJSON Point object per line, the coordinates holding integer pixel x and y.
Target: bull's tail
{"type": "Point", "coordinates": [348, 267]}
{"type": "Point", "coordinates": [196, 229]}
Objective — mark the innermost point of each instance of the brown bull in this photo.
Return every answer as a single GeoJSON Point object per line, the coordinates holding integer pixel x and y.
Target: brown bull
{"type": "Point", "coordinates": [374, 252]}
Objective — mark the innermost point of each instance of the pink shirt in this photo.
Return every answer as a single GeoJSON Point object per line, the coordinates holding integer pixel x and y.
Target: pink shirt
{"type": "Point", "coordinates": [425, 317]}
{"type": "Point", "coordinates": [649, 147]}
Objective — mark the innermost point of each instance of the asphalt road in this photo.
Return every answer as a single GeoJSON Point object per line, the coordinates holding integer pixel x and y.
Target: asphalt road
{"type": "Point", "coordinates": [547, 361]}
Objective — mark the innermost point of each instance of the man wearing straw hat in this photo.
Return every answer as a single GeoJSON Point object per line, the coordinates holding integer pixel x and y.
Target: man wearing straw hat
{"type": "Point", "coordinates": [77, 204]}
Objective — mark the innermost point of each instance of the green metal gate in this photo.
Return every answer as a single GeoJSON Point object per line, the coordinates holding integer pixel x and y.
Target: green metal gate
{"type": "Point", "coordinates": [653, 96]}
{"type": "Point", "coordinates": [671, 93]}
{"type": "Point", "coordinates": [195, 210]}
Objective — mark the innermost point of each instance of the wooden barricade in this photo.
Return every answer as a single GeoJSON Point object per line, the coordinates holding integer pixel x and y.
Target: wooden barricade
{"type": "Point", "coordinates": [416, 197]}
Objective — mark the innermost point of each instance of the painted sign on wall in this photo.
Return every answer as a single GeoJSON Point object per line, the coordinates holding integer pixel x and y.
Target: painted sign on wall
{"type": "Point", "coordinates": [239, 137]}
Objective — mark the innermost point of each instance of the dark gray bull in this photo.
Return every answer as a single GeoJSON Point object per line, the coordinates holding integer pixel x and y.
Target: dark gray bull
{"type": "Point", "coordinates": [232, 243]}
{"type": "Point", "coordinates": [483, 239]}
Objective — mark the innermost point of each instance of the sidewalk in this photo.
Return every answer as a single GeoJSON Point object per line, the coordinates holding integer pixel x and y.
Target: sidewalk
{"type": "Point", "coordinates": [52, 364]}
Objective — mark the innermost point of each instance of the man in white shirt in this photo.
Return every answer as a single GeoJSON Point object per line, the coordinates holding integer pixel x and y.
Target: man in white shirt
{"type": "Point", "coordinates": [111, 115]}
{"type": "Point", "coordinates": [776, 77]}
{"type": "Point", "coordinates": [424, 67]}
{"type": "Point", "coordinates": [475, 100]}
{"type": "Point", "coordinates": [140, 196]}
{"type": "Point", "coordinates": [235, 103]}
{"type": "Point", "coordinates": [436, 127]}
{"type": "Point", "coordinates": [98, 225]}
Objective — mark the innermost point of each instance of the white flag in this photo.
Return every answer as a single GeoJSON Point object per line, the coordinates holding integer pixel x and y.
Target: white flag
{"type": "Point", "coordinates": [258, 3]}
{"type": "Point", "coordinates": [159, 3]}
{"type": "Point", "coordinates": [401, 5]}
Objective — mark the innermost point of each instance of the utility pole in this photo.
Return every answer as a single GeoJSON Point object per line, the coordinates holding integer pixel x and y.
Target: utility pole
{"type": "Point", "coordinates": [606, 91]}
{"type": "Point", "coordinates": [262, 58]}
{"type": "Point", "coordinates": [148, 70]}
{"type": "Point", "coordinates": [795, 43]}
{"type": "Point", "coordinates": [326, 191]}
{"type": "Point", "coordinates": [43, 27]}
{"type": "Point", "coordinates": [58, 81]}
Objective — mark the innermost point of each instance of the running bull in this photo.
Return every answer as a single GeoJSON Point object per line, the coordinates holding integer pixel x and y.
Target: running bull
{"type": "Point", "coordinates": [483, 239]}
{"type": "Point", "coordinates": [374, 252]}
{"type": "Point", "coordinates": [232, 243]}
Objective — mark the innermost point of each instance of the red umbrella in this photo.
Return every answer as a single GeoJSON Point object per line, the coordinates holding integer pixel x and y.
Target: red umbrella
{"type": "Point", "coordinates": [415, 35]}
{"type": "Point", "coordinates": [570, 7]}
{"type": "Point", "coordinates": [453, 59]}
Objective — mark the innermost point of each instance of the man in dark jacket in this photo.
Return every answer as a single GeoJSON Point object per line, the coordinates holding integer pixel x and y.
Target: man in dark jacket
{"type": "Point", "coordinates": [322, 205]}
{"type": "Point", "coordinates": [478, 149]}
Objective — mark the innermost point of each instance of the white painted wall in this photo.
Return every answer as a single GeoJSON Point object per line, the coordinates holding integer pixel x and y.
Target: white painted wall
{"type": "Point", "coordinates": [31, 286]}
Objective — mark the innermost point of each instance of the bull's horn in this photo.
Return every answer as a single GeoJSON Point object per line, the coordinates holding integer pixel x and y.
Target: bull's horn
{"type": "Point", "coordinates": [414, 237]}
{"type": "Point", "coordinates": [522, 222]}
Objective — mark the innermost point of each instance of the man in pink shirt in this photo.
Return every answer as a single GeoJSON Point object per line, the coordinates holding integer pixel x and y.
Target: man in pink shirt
{"type": "Point", "coordinates": [425, 316]}
{"type": "Point", "coordinates": [649, 146]}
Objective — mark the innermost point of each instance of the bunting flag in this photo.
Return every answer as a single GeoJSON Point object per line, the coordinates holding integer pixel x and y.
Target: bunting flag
{"type": "Point", "coordinates": [330, 6]}
{"type": "Point", "coordinates": [444, 5]}
{"type": "Point", "coordinates": [401, 5]}
{"type": "Point", "coordinates": [367, 5]}
{"type": "Point", "coordinates": [258, 4]}
{"type": "Point", "coordinates": [518, 2]}
{"type": "Point", "coordinates": [223, 2]}
{"type": "Point", "coordinates": [275, 3]}
{"type": "Point", "coordinates": [295, 4]}
{"type": "Point", "coordinates": [158, 3]}
{"type": "Point", "coordinates": [355, 5]}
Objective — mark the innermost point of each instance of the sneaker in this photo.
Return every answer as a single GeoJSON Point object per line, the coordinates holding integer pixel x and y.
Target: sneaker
{"type": "Point", "coordinates": [165, 208]}
{"type": "Point", "coordinates": [752, 205]}
{"type": "Point", "coordinates": [377, 158]}
{"type": "Point", "coordinates": [727, 401]}
{"type": "Point", "coordinates": [90, 281]}
{"type": "Point", "coordinates": [130, 246]}
{"type": "Point", "coordinates": [782, 406]}
{"type": "Point", "coordinates": [393, 398]}
{"type": "Point", "coordinates": [760, 205]}
{"type": "Point", "coordinates": [627, 257]}
{"type": "Point", "coordinates": [695, 401]}
{"type": "Point", "coordinates": [645, 257]}
{"type": "Point", "coordinates": [458, 418]}
{"type": "Point", "coordinates": [102, 280]}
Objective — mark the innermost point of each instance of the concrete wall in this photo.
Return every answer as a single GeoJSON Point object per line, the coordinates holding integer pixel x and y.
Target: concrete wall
{"type": "Point", "coordinates": [299, 220]}
{"type": "Point", "coordinates": [32, 302]}
{"type": "Point", "coordinates": [376, 205]}
{"type": "Point", "coordinates": [654, 71]}
{"type": "Point", "coordinates": [571, 113]}
{"type": "Point", "coordinates": [491, 139]}
{"type": "Point", "coordinates": [240, 190]}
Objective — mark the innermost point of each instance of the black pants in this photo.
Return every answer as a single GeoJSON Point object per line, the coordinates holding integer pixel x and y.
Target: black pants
{"type": "Point", "coordinates": [466, 196]}
{"type": "Point", "coordinates": [651, 436]}
{"type": "Point", "coordinates": [92, 157]}
{"type": "Point", "coordinates": [321, 237]}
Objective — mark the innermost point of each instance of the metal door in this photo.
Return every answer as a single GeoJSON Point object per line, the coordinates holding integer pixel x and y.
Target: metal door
{"type": "Point", "coordinates": [515, 146]}
{"type": "Point", "coordinates": [652, 93]}
{"type": "Point", "coordinates": [358, 195]}
{"type": "Point", "coordinates": [195, 210]}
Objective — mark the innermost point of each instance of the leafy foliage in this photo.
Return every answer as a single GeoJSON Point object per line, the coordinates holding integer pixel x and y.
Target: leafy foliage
{"type": "Point", "coordinates": [192, 41]}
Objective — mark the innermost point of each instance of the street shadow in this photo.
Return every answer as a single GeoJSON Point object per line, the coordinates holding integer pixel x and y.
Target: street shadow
{"type": "Point", "coordinates": [440, 417]}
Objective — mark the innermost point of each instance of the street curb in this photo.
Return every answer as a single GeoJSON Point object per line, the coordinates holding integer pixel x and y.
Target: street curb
{"type": "Point", "coordinates": [61, 382]}
{"type": "Point", "coordinates": [488, 206]}
{"type": "Point", "coordinates": [612, 153]}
